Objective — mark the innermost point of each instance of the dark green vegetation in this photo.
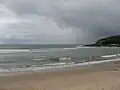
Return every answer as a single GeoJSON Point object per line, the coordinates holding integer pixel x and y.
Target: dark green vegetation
{"type": "Point", "coordinates": [112, 41]}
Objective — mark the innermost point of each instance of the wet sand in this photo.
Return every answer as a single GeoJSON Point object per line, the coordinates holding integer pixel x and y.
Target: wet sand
{"type": "Point", "coordinates": [105, 76]}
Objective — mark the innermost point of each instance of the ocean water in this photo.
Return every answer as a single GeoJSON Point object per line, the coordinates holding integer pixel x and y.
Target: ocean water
{"type": "Point", "coordinates": [22, 58]}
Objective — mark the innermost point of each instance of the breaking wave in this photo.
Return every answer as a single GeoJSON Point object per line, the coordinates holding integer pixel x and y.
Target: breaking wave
{"type": "Point", "coordinates": [52, 66]}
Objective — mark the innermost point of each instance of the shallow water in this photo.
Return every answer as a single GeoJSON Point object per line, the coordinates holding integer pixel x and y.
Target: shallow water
{"type": "Point", "coordinates": [52, 57]}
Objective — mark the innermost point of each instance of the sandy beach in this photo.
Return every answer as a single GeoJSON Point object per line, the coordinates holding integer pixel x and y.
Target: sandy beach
{"type": "Point", "coordinates": [94, 77]}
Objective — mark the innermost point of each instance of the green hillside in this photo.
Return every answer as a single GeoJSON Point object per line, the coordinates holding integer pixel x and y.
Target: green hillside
{"type": "Point", "coordinates": [109, 41]}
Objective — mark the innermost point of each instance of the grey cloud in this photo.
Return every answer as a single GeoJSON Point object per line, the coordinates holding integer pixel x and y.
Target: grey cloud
{"type": "Point", "coordinates": [88, 19]}
{"type": "Point", "coordinates": [94, 18]}
{"type": "Point", "coordinates": [38, 29]}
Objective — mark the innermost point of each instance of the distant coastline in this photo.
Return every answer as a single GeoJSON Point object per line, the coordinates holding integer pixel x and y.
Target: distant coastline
{"type": "Point", "coordinates": [36, 46]}
{"type": "Point", "coordinates": [112, 41]}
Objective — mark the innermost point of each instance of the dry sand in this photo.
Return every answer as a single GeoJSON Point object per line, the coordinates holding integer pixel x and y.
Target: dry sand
{"type": "Point", "coordinates": [94, 77]}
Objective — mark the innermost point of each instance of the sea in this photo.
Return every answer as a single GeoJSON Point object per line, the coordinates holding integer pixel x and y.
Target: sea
{"type": "Point", "coordinates": [36, 58]}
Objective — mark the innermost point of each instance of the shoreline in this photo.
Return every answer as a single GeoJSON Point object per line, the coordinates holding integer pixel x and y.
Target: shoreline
{"type": "Point", "coordinates": [93, 77]}
{"type": "Point", "coordinates": [18, 71]}
{"type": "Point", "coordinates": [88, 66]}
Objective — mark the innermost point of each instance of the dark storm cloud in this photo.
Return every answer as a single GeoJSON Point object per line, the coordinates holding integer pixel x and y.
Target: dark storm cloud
{"type": "Point", "coordinates": [94, 18]}
{"type": "Point", "coordinates": [88, 19]}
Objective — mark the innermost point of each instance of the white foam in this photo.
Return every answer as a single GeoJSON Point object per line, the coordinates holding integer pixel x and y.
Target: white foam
{"type": "Point", "coordinates": [83, 64]}
{"type": "Point", "coordinates": [65, 58]}
{"type": "Point", "coordinates": [107, 56]}
{"type": "Point", "coordinates": [14, 50]}
{"type": "Point", "coordinates": [8, 60]}
{"type": "Point", "coordinates": [4, 70]}
{"type": "Point", "coordinates": [69, 48]}
{"type": "Point", "coordinates": [39, 59]}
{"type": "Point", "coordinates": [54, 66]}
{"type": "Point", "coordinates": [64, 65]}
{"type": "Point", "coordinates": [96, 62]}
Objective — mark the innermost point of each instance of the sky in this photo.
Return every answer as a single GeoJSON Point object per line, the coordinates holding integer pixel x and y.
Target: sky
{"type": "Point", "coordinates": [58, 21]}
